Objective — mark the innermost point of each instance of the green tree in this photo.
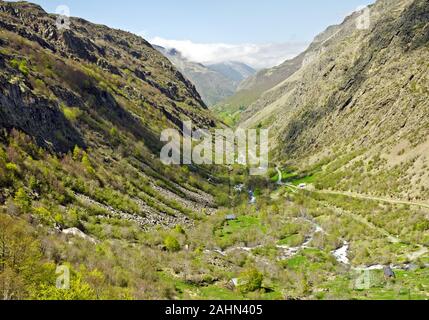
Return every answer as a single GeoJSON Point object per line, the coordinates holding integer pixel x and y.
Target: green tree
{"type": "Point", "coordinates": [3, 156]}
{"type": "Point", "coordinates": [20, 65]}
{"type": "Point", "coordinates": [87, 164]}
{"type": "Point", "coordinates": [79, 290]}
{"type": "Point", "coordinates": [172, 244]}
{"type": "Point", "coordinates": [76, 153]}
{"type": "Point", "coordinates": [11, 167]}
{"type": "Point", "coordinates": [20, 256]}
{"type": "Point", "coordinates": [22, 200]}
{"type": "Point", "coordinates": [44, 214]}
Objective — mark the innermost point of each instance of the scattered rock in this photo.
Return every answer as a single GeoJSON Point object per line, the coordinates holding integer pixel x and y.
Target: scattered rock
{"type": "Point", "coordinates": [77, 233]}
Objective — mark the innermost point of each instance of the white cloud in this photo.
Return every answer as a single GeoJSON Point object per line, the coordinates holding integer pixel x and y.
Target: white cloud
{"type": "Point", "coordinates": [256, 55]}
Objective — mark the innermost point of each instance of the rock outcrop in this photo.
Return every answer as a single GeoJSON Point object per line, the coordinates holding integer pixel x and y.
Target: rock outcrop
{"type": "Point", "coordinates": [77, 59]}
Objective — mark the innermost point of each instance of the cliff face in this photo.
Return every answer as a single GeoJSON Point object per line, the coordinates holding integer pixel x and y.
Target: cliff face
{"type": "Point", "coordinates": [96, 71]}
{"type": "Point", "coordinates": [359, 92]}
{"type": "Point", "coordinates": [37, 117]}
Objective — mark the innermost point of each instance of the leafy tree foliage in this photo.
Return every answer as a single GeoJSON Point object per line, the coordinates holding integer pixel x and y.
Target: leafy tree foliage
{"type": "Point", "coordinates": [250, 280]}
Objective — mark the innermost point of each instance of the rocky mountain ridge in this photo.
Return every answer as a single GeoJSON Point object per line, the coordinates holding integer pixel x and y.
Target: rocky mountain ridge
{"type": "Point", "coordinates": [102, 97]}
{"type": "Point", "coordinates": [361, 94]}
{"type": "Point", "coordinates": [93, 47]}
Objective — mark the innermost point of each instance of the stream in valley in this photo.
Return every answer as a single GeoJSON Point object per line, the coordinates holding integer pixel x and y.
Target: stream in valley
{"type": "Point", "coordinates": [341, 254]}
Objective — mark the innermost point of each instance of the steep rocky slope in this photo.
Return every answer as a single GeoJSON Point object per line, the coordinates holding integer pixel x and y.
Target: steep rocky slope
{"type": "Point", "coordinates": [236, 71]}
{"type": "Point", "coordinates": [94, 100]}
{"type": "Point", "coordinates": [236, 108]}
{"type": "Point", "coordinates": [214, 82]}
{"type": "Point", "coordinates": [360, 100]}
{"type": "Point", "coordinates": [81, 183]}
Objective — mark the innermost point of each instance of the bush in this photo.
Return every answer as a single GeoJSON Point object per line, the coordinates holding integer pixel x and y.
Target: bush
{"type": "Point", "coordinates": [250, 280]}
{"type": "Point", "coordinates": [87, 164]}
{"type": "Point", "coordinates": [20, 65]}
{"type": "Point", "coordinates": [19, 258]}
{"type": "Point", "coordinates": [79, 290]}
{"type": "Point", "coordinates": [179, 229]}
{"type": "Point", "coordinates": [115, 137]}
{"type": "Point", "coordinates": [77, 152]}
{"type": "Point", "coordinates": [171, 244]}
{"type": "Point", "coordinates": [222, 199]}
{"type": "Point", "coordinates": [44, 214]}
{"type": "Point", "coordinates": [12, 167]}
{"type": "Point", "coordinates": [22, 200]}
{"type": "Point", "coordinates": [3, 156]}
{"type": "Point", "coordinates": [71, 114]}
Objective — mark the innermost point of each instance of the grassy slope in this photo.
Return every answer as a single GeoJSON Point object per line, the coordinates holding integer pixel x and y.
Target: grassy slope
{"type": "Point", "coordinates": [116, 170]}
{"type": "Point", "coordinates": [358, 105]}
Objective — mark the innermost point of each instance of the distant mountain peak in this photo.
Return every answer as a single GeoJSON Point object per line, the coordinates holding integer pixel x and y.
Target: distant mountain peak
{"type": "Point", "coordinates": [215, 82]}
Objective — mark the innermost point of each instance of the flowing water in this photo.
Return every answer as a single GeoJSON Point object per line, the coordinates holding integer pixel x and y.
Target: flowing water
{"type": "Point", "coordinates": [341, 254]}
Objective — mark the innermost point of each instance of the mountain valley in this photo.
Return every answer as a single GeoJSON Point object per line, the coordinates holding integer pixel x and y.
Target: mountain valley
{"type": "Point", "coordinates": [215, 82]}
{"type": "Point", "coordinates": [342, 212]}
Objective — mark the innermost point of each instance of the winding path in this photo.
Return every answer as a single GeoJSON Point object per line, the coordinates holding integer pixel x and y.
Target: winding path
{"type": "Point", "coordinates": [351, 194]}
{"type": "Point", "coordinates": [365, 197]}
{"type": "Point", "coordinates": [341, 253]}
{"type": "Point", "coordinates": [391, 238]}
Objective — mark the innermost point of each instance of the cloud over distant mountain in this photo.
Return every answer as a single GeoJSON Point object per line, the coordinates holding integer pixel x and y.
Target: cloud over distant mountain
{"type": "Point", "coordinates": [256, 55]}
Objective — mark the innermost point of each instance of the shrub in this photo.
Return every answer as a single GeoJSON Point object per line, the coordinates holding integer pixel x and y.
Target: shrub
{"type": "Point", "coordinates": [179, 229]}
{"type": "Point", "coordinates": [171, 244]}
{"type": "Point", "coordinates": [79, 290]}
{"type": "Point", "coordinates": [222, 199]}
{"type": "Point", "coordinates": [114, 132]}
{"type": "Point", "coordinates": [87, 164]}
{"type": "Point", "coordinates": [19, 258]}
{"type": "Point", "coordinates": [44, 214]}
{"type": "Point", "coordinates": [22, 200]}
{"type": "Point", "coordinates": [12, 167]}
{"type": "Point", "coordinates": [77, 153]}
{"type": "Point", "coordinates": [20, 65]}
{"type": "Point", "coordinates": [71, 114]}
{"type": "Point", "coordinates": [41, 87]}
{"type": "Point", "coordinates": [71, 218]}
{"type": "Point", "coordinates": [114, 136]}
{"type": "Point", "coordinates": [250, 280]}
{"type": "Point", "coordinates": [2, 155]}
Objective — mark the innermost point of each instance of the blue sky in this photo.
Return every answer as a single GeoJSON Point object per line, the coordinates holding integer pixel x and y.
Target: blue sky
{"type": "Point", "coordinates": [233, 22]}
